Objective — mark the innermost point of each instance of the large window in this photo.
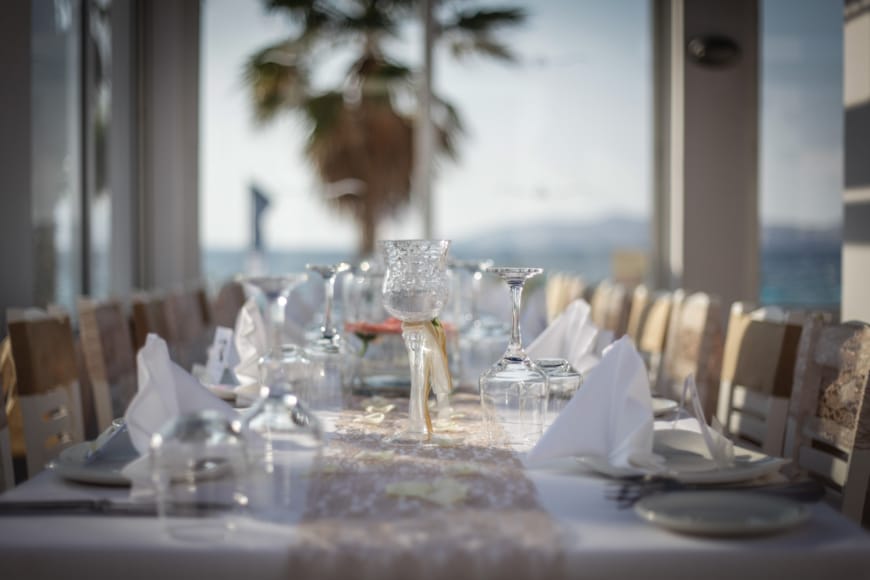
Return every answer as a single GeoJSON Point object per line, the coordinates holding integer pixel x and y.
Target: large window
{"type": "Point", "coordinates": [801, 175]}
{"type": "Point", "coordinates": [553, 168]}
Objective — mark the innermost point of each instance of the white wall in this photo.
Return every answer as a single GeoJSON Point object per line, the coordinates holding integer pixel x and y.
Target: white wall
{"type": "Point", "coordinates": [707, 162]}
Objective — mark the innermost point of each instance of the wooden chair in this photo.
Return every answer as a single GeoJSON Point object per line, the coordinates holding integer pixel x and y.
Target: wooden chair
{"type": "Point", "coordinates": [187, 328]}
{"type": "Point", "coordinates": [610, 308]}
{"type": "Point", "coordinates": [227, 304]}
{"type": "Point", "coordinates": [828, 429]}
{"type": "Point", "coordinates": [757, 375]}
{"type": "Point", "coordinates": [49, 399]}
{"type": "Point", "coordinates": [693, 346]}
{"type": "Point", "coordinates": [653, 332]}
{"type": "Point", "coordinates": [148, 315]}
{"type": "Point", "coordinates": [109, 358]}
{"type": "Point", "coordinates": [561, 290]}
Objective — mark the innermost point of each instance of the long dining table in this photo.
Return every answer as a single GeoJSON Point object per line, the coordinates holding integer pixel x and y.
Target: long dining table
{"type": "Point", "coordinates": [363, 516]}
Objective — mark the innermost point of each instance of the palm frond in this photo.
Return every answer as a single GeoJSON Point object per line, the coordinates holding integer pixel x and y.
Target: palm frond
{"type": "Point", "coordinates": [480, 45]}
{"type": "Point", "coordinates": [277, 79]}
{"type": "Point", "coordinates": [476, 21]}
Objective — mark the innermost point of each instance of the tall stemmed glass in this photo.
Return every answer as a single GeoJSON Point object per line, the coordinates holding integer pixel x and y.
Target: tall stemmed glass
{"type": "Point", "coordinates": [282, 363]}
{"type": "Point", "coordinates": [416, 288]}
{"type": "Point", "coordinates": [333, 360]}
{"type": "Point", "coordinates": [514, 391]}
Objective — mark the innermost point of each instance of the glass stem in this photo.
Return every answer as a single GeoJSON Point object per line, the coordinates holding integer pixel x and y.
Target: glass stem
{"type": "Point", "coordinates": [515, 348]}
{"type": "Point", "coordinates": [413, 335]}
{"type": "Point", "coordinates": [327, 331]}
{"type": "Point", "coordinates": [276, 321]}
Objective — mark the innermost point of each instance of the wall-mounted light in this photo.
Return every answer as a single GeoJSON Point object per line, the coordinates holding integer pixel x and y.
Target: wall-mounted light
{"type": "Point", "coordinates": [713, 51]}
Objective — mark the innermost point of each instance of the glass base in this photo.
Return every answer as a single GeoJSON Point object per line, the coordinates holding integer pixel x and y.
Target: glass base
{"type": "Point", "coordinates": [415, 438]}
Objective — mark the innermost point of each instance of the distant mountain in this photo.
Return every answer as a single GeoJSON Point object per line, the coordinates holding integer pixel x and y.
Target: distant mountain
{"type": "Point", "coordinates": [775, 237]}
{"type": "Point", "coordinates": [621, 232]}
{"type": "Point", "coordinates": [591, 237]}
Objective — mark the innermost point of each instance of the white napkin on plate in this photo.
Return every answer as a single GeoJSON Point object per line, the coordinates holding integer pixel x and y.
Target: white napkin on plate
{"type": "Point", "coordinates": [610, 416]}
{"type": "Point", "coordinates": [571, 336]}
{"type": "Point", "coordinates": [252, 341]}
{"type": "Point", "coordinates": [165, 391]}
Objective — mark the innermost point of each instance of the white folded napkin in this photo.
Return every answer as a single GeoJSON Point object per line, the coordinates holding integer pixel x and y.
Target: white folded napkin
{"type": "Point", "coordinates": [252, 342]}
{"type": "Point", "coordinates": [165, 391]}
{"type": "Point", "coordinates": [610, 416]}
{"type": "Point", "coordinates": [571, 336]}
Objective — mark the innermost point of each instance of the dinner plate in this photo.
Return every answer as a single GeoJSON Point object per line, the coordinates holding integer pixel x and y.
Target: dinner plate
{"type": "Point", "coordinates": [681, 455]}
{"type": "Point", "coordinates": [721, 513]}
{"type": "Point", "coordinates": [72, 464]}
{"type": "Point", "coordinates": [662, 406]}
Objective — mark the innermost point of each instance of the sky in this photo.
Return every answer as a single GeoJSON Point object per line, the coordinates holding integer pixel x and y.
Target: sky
{"type": "Point", "coordinates": [563, 136]}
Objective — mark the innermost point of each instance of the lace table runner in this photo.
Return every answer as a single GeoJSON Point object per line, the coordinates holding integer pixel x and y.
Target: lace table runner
{"type": "Point", "coordinates": [462, 508]}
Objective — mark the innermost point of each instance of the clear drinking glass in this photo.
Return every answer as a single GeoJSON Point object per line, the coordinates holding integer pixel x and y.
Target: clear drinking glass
{"type": "Point", "coordinates": [416, 288]}
{"type": "Point", "coordinates": [514, 391]}
{"type": "Point", "coordinates": [334, 363]}
{"type": "Point", "coordinates": [564, 381]}
{"type": "Point", "coordinates": [199, 469]}
{"type": "Point", "coordinates": [284, 361]}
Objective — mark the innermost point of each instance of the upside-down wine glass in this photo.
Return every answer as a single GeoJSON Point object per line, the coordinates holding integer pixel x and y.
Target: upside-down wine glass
{"type": "Point", "coordinates": [333, 361]}
{"type": "Point", "coordinates": [284, 436]}
{"type": "Point", "coordinates": [514, 391]}
{"type": "Point", "coordinates": [416, 288]}
{"type": "Point", "coordinates": [285, 360]}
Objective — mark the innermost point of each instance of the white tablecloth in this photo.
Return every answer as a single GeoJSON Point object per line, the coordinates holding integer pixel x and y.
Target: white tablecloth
{"type": "Point", "coordinates": [598, 540]}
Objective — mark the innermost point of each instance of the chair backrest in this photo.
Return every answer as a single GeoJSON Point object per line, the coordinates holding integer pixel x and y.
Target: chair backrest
{"type": "Point", "coordinates": [562, 289]}
{"type": "Point", "coordinates": [148, 315]}
{"type": "Point", "coordinates": [653, 331]}
{"type": "Point", "coordinates": [187, 327]}
{"type": "Point", "coordinates": [641, 300]}
{"type": "Point", "coordinates": [693, 346]}
{"type": "Point", "coordinates": [828, 432]}
{"type": "Point", "coordinates": [757, 375]}
{"type": "Point", "coordinates": [49, 398]}
{"type": "Point", "coordinates": [109, 357]}
{"type": "Point", "coordinates": [610, 307]}
{"type": "Point", "coordinates": [227, 304]}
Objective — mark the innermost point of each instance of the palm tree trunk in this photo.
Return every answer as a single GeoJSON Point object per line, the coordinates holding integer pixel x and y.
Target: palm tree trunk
{"type": "Point", "coordinates": [368, 224]}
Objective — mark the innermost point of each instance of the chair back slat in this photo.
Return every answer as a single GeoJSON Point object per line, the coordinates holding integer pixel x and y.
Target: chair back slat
{"type": "Point", "coordinates": [641, 301]}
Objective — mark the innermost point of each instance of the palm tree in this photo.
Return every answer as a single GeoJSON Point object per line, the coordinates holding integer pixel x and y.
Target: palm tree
{"type": "Point", "coordinates": [361, 133]}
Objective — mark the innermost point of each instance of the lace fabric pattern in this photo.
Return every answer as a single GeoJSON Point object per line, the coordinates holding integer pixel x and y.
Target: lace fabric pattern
{"type": "Point", "coordinates": [489, 524]}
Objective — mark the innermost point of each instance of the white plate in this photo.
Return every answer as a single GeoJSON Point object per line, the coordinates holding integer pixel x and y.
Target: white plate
{"type": "Point", "coordinates": [721, 513]}
{"type": "Point", "coordinates": [71, 465]}
{"type": "Point", "coordinates": [662, 406]}
{"type": "Point", "coordinates": [683, 458]}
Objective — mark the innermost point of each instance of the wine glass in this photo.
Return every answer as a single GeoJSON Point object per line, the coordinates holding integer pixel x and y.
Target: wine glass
{"type": "Point", "coordinates": [514, 391]}
{"type": "Point", "coordinates": [482, 338]}
{"type": "Point", "coordinates": [415, 290]}
{"type": "Point", "coordinates": [282, 360]}
{"type": "Point", "coordinates": [333, 361]}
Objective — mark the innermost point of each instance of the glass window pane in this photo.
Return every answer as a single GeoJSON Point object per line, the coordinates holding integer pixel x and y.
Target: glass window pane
{"type": "Point", "coordinates": [56, 180]}
{"type": "Point", "coordinates": [801, 175]}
